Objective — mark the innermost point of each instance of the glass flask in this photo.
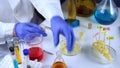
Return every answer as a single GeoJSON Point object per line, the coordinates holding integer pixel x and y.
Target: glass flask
{"type": "Point", "coordinates": [71, 11]}
{"type": "Point", "coordinates": [59, 62]}
{"type": "Point", "coordinates": [85, 8]}
{"type": "Point", "coordinates": [106, 12]}
{"type": "Point", "coordinates": [117, 2]}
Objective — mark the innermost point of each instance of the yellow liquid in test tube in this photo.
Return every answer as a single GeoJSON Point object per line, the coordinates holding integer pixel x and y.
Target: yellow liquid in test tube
{"type": "Point", "coordinates": [18, 56]}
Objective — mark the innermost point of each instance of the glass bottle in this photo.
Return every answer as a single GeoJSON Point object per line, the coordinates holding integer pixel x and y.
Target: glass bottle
{"type": "Point", "coordinates": [85, 8]}
{"type": "Point", "coordinates": [106, 12]}
{"type": "Point", "coordinates": [71, 11]}
{"type": "Point", "coordinates": [26, 58]}
{"type": "Point", "coordinates": [72, 14]}
{"type": "Point", "coordinates": [59, 62]}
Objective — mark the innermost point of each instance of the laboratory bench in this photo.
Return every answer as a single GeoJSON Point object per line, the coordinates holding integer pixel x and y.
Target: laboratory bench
{"type": "Point", "coordinates": [85, 58]}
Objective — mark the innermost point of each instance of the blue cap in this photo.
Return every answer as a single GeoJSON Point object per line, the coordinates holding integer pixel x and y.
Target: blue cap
{"type": "Point", "coordinates": [74, 23]}
{"type": "Point", "coordinates": [25, 52]}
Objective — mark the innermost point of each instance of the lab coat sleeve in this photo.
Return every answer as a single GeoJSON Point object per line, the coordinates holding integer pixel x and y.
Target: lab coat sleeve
{"type": "Point", "coordinates": [48, 8]}
{"type": "Point", "coordinates": [6, 29]}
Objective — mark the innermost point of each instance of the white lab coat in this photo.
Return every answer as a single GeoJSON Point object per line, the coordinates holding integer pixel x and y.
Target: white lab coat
{"type": "Point", "coordinates": [13, 11]}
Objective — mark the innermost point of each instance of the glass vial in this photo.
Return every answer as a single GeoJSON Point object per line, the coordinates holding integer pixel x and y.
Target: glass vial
{"type": "Point", "coordinates": [17, 50]}
{"type": "Point", "coordinates": [106, 12]}
{"type": "Point", "coordinates": [85, 8]}
{"type": "Point", "coordinates": [26, 58]}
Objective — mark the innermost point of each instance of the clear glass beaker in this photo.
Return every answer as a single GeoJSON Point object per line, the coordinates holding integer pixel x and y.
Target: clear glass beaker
{"type": "Point", "coordinates": [106, 12]}
{"type": "Point", "coordinates": [34, 41]}
{"type": "Point", "coordinates": [85, 8]}
{"type": "Point", "coordinates": [76, 48]}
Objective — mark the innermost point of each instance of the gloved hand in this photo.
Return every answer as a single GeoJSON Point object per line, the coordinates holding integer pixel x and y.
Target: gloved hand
{"type": "Point", "coordinates": [59, 26]}
{"type": "Point", "coordinates": [22, 29]}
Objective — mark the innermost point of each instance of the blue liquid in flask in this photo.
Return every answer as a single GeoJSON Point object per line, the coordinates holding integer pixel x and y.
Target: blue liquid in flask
{"type": "Point", "coordinates": [105, 17]}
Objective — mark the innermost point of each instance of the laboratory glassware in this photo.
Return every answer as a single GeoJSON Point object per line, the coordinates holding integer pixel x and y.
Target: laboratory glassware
{"type": "Point", "coordinates": [26, 58]}
{"type": "Point", "coordinates": [11, 49]}
{"type": "Point", "coordinates": [75, 51]}
{"type": "Point", "coordinates": [34, 41]}
{"type": "Point", "coordinates": [72, 14]}
{"type": "Point", "coordinates": [59, 61]}
{"type": "Point", "coordinates": [71, 11]}
{"type": "Point", "coordinates": [17, 50]}
{"type": "Point", "coordinates": [106, 12]}
{"type": "Point", "coordinates": [104, 59]}
{"type": "Point", "coordinates": [102, 52]}
{"type": "Point", "coordinates": [85, 8]}
{"type": "Point", "coordinates": [10, 45]}
{"type": "Point", "coordinates": [117, 2]}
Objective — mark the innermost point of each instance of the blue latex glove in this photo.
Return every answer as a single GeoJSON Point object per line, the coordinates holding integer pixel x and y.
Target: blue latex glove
{"type": "Point", "coordinates": [59, 26]}
{"type": "Point", "coordinates": [22, 29]}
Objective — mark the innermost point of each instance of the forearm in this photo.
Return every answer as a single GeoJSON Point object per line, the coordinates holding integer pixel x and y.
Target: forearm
{"type": "Point", "coordinates": [48, 8]}
{"type": "Point", "coordinates": [6, 29]}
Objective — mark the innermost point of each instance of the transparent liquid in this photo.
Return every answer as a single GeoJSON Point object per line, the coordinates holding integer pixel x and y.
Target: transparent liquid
{"type": "Point", "coordinates": [36, 53]}
{"type": "Point", "coordinates": [105, 18]}
{"type": "Point", "coordinates": [59, 65]}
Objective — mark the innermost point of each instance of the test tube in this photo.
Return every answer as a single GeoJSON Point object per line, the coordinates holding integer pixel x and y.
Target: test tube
{"type": "Point", "coordinates": [15, 63]}
{"type": "Point", "coordinates": [9, 42]}
{"type": "Point", "coordinates": [17, 51]}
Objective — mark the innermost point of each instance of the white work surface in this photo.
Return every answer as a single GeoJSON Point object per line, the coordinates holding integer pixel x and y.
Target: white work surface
{"type": "Point", "coordinates": [83, 59]}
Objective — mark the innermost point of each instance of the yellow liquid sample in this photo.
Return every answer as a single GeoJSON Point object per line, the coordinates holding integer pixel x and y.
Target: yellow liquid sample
{"type": "Point", "coordinates": [71, 10]}
{"type": "Point", "coordinates": [59, 65]}
{"type": "Point", "coordinates": [85, 8]}
{"type": "Point", "coordinates": [18, 56]}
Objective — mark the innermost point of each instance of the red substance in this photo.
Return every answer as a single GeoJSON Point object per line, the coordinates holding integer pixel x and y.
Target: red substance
{"type": "Point", "coordinates": [36, 53]}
